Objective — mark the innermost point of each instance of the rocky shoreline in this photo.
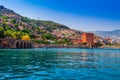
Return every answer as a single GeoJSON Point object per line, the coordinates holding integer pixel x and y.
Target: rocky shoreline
{"type": "Point", "coordinates": [110, 47]}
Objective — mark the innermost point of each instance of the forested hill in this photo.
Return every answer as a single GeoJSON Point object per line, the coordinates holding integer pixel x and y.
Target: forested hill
{"type": "Point", "coordinates": [49, 25]}
{"type": "Point", "coordinates": [16, 26]}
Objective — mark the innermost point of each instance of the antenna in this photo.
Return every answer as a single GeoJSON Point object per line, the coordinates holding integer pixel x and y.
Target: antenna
{"type": "Point", "coordinates": [38, 18]}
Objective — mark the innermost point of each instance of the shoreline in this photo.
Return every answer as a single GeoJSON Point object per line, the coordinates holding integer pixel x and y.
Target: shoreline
{"type": "Point", "coordinates": [58, 48]}
{"type": "Point", "coordinates": [35, 45]}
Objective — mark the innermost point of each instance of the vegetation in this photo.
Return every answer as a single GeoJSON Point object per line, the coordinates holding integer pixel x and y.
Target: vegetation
{"type": "Point", "coordinates": [1, 32]}
{"type": "Point", "coordinates": [10, 33]}
{"type": "Point", "coordinates": [18, 27]}
{"type": "Point", "coordinates": [26, 38]}
{"type": "Point", "coordinates": [47, 36]}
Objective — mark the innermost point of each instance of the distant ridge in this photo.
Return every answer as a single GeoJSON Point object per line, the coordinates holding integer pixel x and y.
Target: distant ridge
{"type": "Point", "coordinates": [112, 34]}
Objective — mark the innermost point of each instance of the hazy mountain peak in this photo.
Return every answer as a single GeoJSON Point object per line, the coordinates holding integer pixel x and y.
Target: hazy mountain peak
{"type": "Point", "coordinates": [112, 34]}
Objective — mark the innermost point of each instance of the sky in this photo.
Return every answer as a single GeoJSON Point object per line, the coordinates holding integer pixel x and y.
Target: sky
{"type": "Point", "coordinates": [85, 15]}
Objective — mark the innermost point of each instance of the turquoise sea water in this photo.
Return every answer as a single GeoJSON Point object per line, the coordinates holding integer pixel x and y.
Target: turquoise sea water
{"type": "Point", "coordinates": [60, 64]}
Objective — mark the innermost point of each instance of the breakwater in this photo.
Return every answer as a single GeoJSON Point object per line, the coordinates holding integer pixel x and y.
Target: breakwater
{"type": "Point", "coordinates": [59, 46]}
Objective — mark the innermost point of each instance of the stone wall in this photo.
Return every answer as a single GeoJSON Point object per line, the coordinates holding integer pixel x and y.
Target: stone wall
{"type": "Point", "coordinates": [24, 44]}
{"type": "Point", "coordinates": [12, 43]}
{"type": "Point", "coordinates": [59, 46]}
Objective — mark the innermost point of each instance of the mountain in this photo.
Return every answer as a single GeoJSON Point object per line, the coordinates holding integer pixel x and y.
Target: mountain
{"type": "Point", "coordinates": [112, 34]}
{"type": "Point", "coordinates": [47, 24]}
{"type": "Point", "coordinates": [14, 25]}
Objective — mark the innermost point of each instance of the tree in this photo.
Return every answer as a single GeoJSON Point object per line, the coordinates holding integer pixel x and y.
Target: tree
{"type": "Point", "coordinates": [26, 30]}
{"type": "Point", "coordinates": [26, 38]}
{"type": "Point", "coordinates": [1, 32]}
{"type": "Point", "coordinates": [6, 27]}
{"type": "Point", "coordinates": [47, 36]}
{"type": "Point", "coordinates": [14, 21]}
{"type": "Point", "coordinates": [10, 33]}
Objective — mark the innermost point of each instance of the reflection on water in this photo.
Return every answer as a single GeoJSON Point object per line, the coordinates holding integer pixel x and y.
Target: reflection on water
{"type": "Point", "coordinates": [36, 64]}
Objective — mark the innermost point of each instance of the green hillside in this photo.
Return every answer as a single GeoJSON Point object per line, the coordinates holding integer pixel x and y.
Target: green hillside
{"type": "Point", "coordinates": [16, 26]}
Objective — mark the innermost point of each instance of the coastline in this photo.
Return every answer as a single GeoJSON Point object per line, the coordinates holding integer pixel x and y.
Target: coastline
{"type": "Point", "coordinates": [110, 47]}
{"type": "Point", "coordinates": [46, 46]}
{"type": "Point", "coordinates": [59, 46]}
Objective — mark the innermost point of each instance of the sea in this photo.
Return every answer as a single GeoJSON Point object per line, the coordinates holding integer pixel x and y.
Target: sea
{"type": "Point", "coordinates": [60, 64]}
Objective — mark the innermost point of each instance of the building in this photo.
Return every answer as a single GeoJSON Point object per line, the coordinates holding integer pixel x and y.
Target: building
{"type": "Point", "coordinates": [88, 38]}
{"type": "Point", "coordinates": [12, 43]}
{"type": "Point", "coordinates": [76, 41]}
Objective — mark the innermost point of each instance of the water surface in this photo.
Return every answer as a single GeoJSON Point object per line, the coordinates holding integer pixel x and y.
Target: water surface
{"type": "Point", "coordinates": [57, 64]}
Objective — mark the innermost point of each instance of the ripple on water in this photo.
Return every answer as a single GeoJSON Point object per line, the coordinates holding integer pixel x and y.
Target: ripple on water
{"type": "Point", "coordinates": [107, 73]}
{"type": "Point", "coordinates": [8, 76]}
{"type": "Point", "coordinates": [60, 64]}
{"type": "Point", "coordinates": [42, 75]}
